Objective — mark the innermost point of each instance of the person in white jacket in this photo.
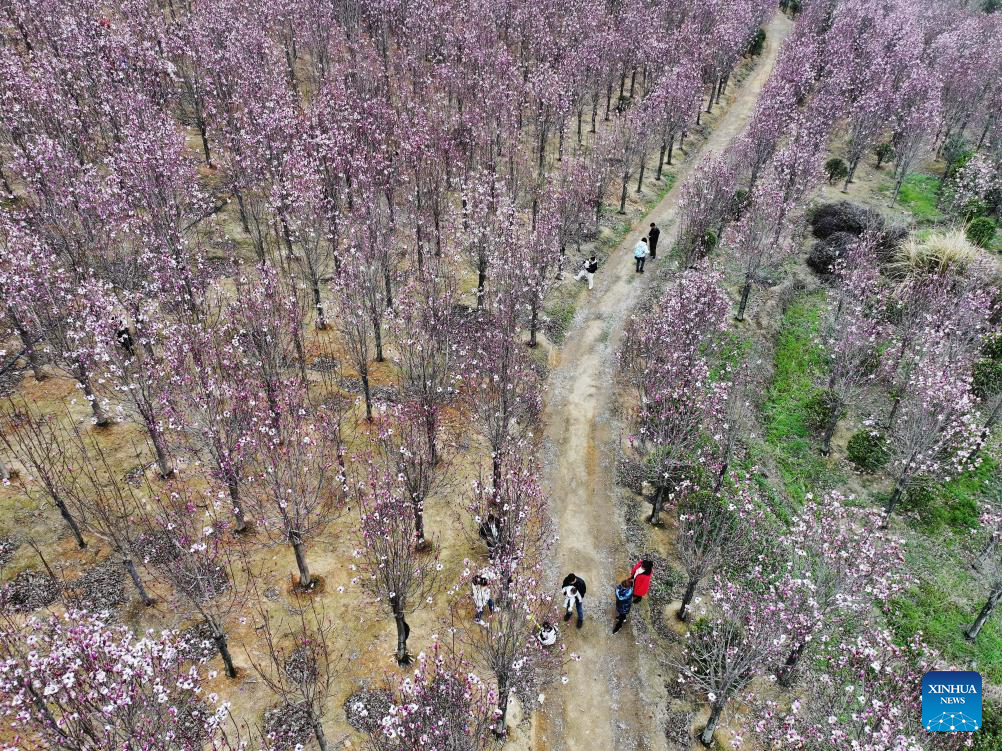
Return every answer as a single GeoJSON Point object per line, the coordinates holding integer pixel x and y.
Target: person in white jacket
{"type": "Point", "coordinates": [573, 589]}
{"type": "Point", "coordinates": [481, 598]}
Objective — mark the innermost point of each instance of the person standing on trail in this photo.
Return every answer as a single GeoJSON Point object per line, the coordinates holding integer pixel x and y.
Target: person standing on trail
{"type": "Point", "coordinates": [588, 269]}
{"type": "Point", "coordinates": [641, 575]}
{"type": "Point", "coordinates": [573, 590]}
{"type": "Point", "coordinates": [652, 240]}
{"type": "Point", "coordinates": [481, 598]}
{"type": "Point", "coordinates": [640, 254]}
{"type": "Point", "coordinates": [624, 601]}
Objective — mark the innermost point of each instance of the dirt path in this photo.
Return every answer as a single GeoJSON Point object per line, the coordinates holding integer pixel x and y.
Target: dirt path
{"type": "Point", "coordinates": [602, 707]}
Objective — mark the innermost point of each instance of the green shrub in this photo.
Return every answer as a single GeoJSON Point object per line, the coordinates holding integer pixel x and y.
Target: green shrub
{"type": "Point", "coordinates": [867, 450]}
{"type": "Point", "coordinates": [992, 348]}
{"type": "Point", "coordinates": [757, 43]}
{"type": "Point", "coordinates": [836, 169]}
{"type": "Point", "coordinates": [884, 152]}
{"type": "Point", "coordinates": [710, 241]}
{"type": "Point", "coordinates": [819, 409]}
{"type": "Point", "coordinates": [957, 154]}
{"type": "Point", "coordinates": [932, 507]}
{"type": "Point", "coordinates": [987, 378]}
{"type": "Point", "coordinates": [739, 202]}
{"type": "Point", "coordinates": [989, 736]}
{"type": "Point", "coordinates": [981, 231]}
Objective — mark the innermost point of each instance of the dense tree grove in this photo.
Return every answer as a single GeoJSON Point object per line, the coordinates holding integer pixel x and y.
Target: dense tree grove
{"type": "Point", "coordinates": [294, 258]}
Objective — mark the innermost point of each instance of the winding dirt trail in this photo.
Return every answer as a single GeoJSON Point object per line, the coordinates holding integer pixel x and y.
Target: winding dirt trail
{"type": "Point", "coordinates": [610, 697]}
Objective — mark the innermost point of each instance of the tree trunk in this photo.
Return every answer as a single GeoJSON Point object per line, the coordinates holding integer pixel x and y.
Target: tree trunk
{"type": "Point", "coordinates": [101, 419]}
{"type": "Point", "coordinates": [319, 306]}
{"type": "Point", "coordinates": [852, 172]}
{"type": "Point", "coordinates": [501, 728]}
{"type": "Point", "coordinates": [481, 281]}
{"type": "Point", "coordinates": [417, 504]}
{"type": "Point", "coordinates": [68, 518]}
{"type": "Point", "coordinates": [238, 513]}
{"type": "Point", "coordinates": [706, 737]}
{"type": "Point", "coordinates": [29, 346]}
{"type": "Point", "coordinates": [608, 101]}
{"type": "Point", "coordinates": [657, 505]}
{"type": "Point", "coordinates": [671, 148]}
{"type": "Point", "coordinates": [786, 673]}
{"type": "Point", "coordinates": [203, 133]}
{"type": "Point", "coordinates": [622, 197]}
{"type": "Point", "coordinates": [389, 289]}
{"type": "Point", "coordinates": [640, 179]}
{"type": "Point", "coordinates": [709, 102]}
{"type": "Point", "coordinates": [130, 566]}
{"type": "Point", "coordinates": [721, 474]}
{"type": "Point", "coordinates": [533, 325]}
{"type": "Point", "coordinates": [894, 411]}
{"type": "Point", "coordinates": [899, 489]}
{"type": "Point", "coordinates": [986, 552]}
{"type": "Point", "coordinates": [745, 294]}
{"type": "Point", "coordinates": [318, 733]}
{"type": "Point", "coordinates": [224, 650]}
{"type": "Point", "coordinates": [826, 438]}
{"type": "Point", "coordinates": [690, 592]}
{"type": "Point", "coordinates": [160, 451]}
{"type": "Point", "coordinates": [377, 330]}
{"type": "Point", "coordinates": [368, 397]}
{"type": "Point", "coordinates": [296, 541]}
{"type": "Point", "coordinates": [403, 658]}
{"type": "Point", "coordinates": [661, 159]}
{"type": "Point", "coordinates": [972, 631]}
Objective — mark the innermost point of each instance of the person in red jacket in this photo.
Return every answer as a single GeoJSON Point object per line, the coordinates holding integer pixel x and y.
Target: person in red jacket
{"type": "Point", "coordinates": [641, 575]}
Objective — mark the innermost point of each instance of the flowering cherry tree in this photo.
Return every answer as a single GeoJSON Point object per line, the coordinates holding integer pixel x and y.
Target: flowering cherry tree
{"type": "Point", "coordinates": [76, 681]}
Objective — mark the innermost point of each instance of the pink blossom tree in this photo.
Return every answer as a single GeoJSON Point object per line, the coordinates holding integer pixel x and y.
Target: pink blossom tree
{"type": "Point", "coordinates": [76, 681]}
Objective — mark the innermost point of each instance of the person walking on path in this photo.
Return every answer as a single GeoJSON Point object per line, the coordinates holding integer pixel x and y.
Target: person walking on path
{"type": "Point", "coordinates": [481, 598]}
{"type": "Point", "coordinates": [574, 589]}
{"type": "Point", "coordinates": [588, 269]}
{"type": "Point", "coordinates": [624, 601]}
{"type": "Point", "coordinates": [652, 240]}
{"type": "Point", "coordinates": [640, 254]}
{"type": "Point", "coordinates": [641, 575]}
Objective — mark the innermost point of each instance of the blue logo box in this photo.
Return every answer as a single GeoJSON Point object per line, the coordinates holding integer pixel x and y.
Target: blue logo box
{"type": "Point", "coordinates": [951, 700]}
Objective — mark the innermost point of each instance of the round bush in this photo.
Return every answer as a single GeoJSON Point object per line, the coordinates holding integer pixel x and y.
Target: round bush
{"type": "Point", "coordinates": [867, 450]}
{"type": "Point", "coordinates": [710, 241]}
{"type": "Point", "coordinates": [825, 253]}
{"type": "Point", "coordinates": [844, 216]}
{"type": "Point", "coordinates": [757, 43]}
{"type": "Point", "coordinates": [884, 152]}
{"type": "Point", "coordinates": [981, 231]}
{"type": "Point", "coordinates": [836, 169]}
{"type": "Point", "coordinates": [819, 409]}
{"type": "Point", "coordinates": [987, 378]}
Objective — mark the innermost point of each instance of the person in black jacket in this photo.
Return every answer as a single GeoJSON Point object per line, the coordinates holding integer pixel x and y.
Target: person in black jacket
{"type": "Point", "coordinates": [573, 590]}
{"type": "Point", "coordinates": [123, 336]}
{"type": "Point", "coordinates": [652, 240]}
{"type": "Point", "coordinates": [588, 269]}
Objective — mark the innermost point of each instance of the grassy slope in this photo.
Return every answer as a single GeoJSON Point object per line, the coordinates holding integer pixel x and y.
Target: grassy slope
{"type": "Point", "coordinates": [788, 438]}
{"type": "Point", "coordinates": [946, 595]}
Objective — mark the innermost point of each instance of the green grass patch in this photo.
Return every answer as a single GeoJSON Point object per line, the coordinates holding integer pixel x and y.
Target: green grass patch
{"type": "Point", "coordinates": [788, 434]}
{"type": "Point", "coordinates": [920, 195]}
{"type": "Point", "coordinates": [928, 609]}
{"type": "Point", "coordinates": [560, 315]}
{"type": "Point", "coordinates": [936, 507]}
